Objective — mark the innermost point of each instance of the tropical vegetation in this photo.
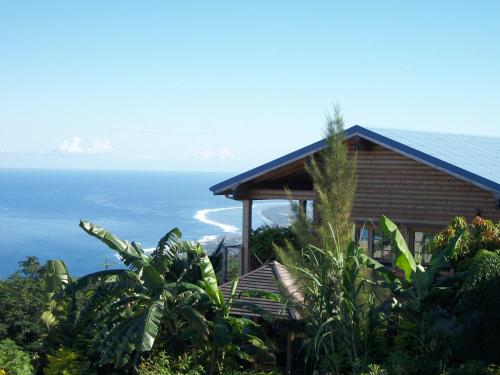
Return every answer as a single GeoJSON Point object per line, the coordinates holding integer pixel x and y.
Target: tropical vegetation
{"type": "Point", "coordinates": [166, 313]}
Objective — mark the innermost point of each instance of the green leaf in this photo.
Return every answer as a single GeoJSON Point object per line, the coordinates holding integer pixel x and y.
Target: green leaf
{"type": "Point", "coordinates": [149, 325]}
{"type": "Point", "coordinates": [209, 281]}
{"type": "Point", "coordinates": [56, 276]}
{"type": "Point", "coordinates": [404, 258]}
{"type": "Point", "coordinates": [131, 253]}
{"type": "Point", "coordinates": [222, 333]}
{"type": "Point", "coordinates": [194, 319]}
{"type": "Point", "coordinates": [381, 270]}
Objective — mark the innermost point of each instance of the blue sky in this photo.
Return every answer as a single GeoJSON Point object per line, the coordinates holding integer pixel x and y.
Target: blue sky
{"type": "Point", "coordinates": [225, 86]}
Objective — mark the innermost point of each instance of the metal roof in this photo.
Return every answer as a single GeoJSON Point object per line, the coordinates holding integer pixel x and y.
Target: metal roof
{"type": "Point", "coordinates": [471, 158]}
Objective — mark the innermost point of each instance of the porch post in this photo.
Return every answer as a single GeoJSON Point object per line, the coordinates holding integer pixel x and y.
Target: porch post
{"type": "Point", "coordinates": [315, 213]}
{"type": "Point", "coordinates": [303, 206]}
{"type": "Point", "coordinates": [289, 352]}
{"type": "Point", "coordinates": [245, 237]}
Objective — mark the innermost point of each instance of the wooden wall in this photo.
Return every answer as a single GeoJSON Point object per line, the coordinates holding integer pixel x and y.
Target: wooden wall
{"type": "Point", "coordinates": [407, 191]}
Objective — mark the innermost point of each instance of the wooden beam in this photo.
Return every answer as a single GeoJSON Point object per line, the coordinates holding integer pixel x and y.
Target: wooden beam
{"type": "Point", "coordinates": [245, 237]}
{"type": "Point", "coordinates": [262, 194]}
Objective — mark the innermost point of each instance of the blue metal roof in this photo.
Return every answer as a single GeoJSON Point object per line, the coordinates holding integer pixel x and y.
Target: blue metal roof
{"type": "Point", "coordinates": [471, 158]}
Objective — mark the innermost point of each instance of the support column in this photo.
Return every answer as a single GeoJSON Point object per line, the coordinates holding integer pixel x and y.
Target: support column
{"type": "Point", "coordinates": [289, 352]}
{"type": "Point", "coordinates": [303, 206]}
{"type": "Point", "coordinates": [245, 237]}
{"type": "Point", "coordinates": [315, 215]}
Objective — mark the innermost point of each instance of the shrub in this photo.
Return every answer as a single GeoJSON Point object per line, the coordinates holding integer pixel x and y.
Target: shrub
{"type": "Point", "coordinates": [163, 364]}
{"type": "Point", "coordinates": [13, 361]}
{"type": "Point", "coordinates": [23, 299]}
{"type": "Point", "coordinates": [67, 362]}
{"type": "Point", "coordinates": [375, 370]}
{"type": "Point", "coordinates": [477, 309]}
{"type": "Point", "coordinates": [475, 368]}
{"type": "Point", "coordinates": [479, 234]}
{"type": "Point", "coordinates": [264, 239]}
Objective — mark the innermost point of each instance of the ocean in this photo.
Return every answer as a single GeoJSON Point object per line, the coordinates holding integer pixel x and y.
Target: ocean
{"type": "Point", "coordinates": [40, 211]}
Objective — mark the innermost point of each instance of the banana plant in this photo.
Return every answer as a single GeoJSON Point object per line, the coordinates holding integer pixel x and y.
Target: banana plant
{"type": "Point", "coordinates": [126, 306]}
{"type": "Point", "coordinates": [416, 277]}
{"type": "Point", "coordinates": [228, 333]}
{"type": "Point", "coordinates": [419, 296]}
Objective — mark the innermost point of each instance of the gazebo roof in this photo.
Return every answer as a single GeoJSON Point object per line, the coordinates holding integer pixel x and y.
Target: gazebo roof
{"type": "Point", "coordinates": [271, 277]}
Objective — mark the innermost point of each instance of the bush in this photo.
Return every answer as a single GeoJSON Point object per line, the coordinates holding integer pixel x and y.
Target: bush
{"type": "Point", "coordinates": [479, 234]}
{"type": "Point", "coordinates": [263, 241]}
{"type": "Point", "coordinates": [13, 361]}
{"type": "Point", "coordinates": [475, 368]}
{"type": "Point", "coordinates": [23, 299]}
{"type": "Point", "coordinates": [163, 364]}
{"type": "Point", "coordinates": [477, 309]}
{"type": "Point", "coordinates": [67, 362]}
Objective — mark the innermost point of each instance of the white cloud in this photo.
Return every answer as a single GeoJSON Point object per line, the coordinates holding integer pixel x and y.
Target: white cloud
{"type": "Point", "coordinates": [209, 154]}
{"type": "Point", "coordinates": [225, 154]}
{"type": "Point", "coordinates": [100, 147]}
{"type": "Point", "coordinates": [74, 146]}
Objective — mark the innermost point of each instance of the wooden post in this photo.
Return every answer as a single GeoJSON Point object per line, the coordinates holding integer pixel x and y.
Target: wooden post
{"type": "Point", "coordinates": [245, 237]}
{"type": "Point", "coordinates": [315, 214]}
{"type": "Point", "coordinates": [289, 353]}
{"type": "Point", "coordinates": [303, 206]}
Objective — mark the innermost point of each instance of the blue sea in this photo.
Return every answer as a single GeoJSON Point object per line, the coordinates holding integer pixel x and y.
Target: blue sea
{"type": "Point", "coordinates": [40, 211]}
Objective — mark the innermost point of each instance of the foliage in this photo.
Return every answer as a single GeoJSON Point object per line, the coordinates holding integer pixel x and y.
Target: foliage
{"type": "Point", "coordinates": [338, 303]}
{"type": "Point", "coordinates": [477, 309]}
{"type": "Point", "coordinates": [479, 234]}
{"type": "Point", "coordinates": [23, 300]}
{"type": "Point", "coordinates": [67, 362]}
{"type": "Point", "coordinates": [265, 239]}
{"type": "Point", "coordinates": [474, 368]}
{"type": "Point", "coordinates": [162, 364]}
{"type": "Point", "coordinates": [229, 337]}
{"type": "Point", "coordinates": [172, 294]}
{"type": "Point", "coordinates": [422, 320]}
{"type": "Point", "coordinates": [124, 308]}
{"type": "Point", "coordinates": [13, 361]}
{"type": "Point", "coordinates": [337, 307]}
{"type": "Point", "coordinates": [333, 174]}
{"type": "Point", "coordinates": [375, 369]}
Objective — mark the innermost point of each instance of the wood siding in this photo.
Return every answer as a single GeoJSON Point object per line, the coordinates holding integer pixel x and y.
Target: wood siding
{"type": "Point", "coordinates": [411, 192]}
{"type": "Point", "coordinates": [407, 191]}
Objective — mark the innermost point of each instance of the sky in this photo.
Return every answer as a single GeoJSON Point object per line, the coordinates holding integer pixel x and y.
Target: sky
{"type": "Point", "coordinates": [226, 86]}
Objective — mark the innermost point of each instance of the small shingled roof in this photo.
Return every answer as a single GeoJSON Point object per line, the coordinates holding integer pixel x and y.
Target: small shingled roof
{"type": "Point", "coordinates": [271, 277]}
{"type": "Point", "coordinates": [471, 158]}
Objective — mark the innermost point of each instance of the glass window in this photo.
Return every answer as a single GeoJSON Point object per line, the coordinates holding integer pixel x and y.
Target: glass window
{"type": "Point", "coordinates": [362, 238]}
{"type": "Point", "coordinates": [421, 241]}
{"type": "Point", "coordinates": [381, 246]}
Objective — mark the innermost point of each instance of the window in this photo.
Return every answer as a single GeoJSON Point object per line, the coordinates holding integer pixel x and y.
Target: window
{"type": "Point", "coordinates": [421, 241]}
{"type": "Point", "coordinates": [362, 235]}
{"type": "Point", "coordinates": [381, 248]}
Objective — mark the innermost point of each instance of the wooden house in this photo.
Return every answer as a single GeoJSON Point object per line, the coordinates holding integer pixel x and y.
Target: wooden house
{"type": "Point", "coordinates": [419, 180]}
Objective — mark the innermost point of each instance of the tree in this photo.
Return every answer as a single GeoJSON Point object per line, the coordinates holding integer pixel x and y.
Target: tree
{"type": "Point", "coordinates": [23, 299]}
{"type": "Point", "coordinates": [124, 308]}
{"type": "Point", "coordinates": [329, 266]}
{"type": "Point", "coordinates": [333, 173]}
